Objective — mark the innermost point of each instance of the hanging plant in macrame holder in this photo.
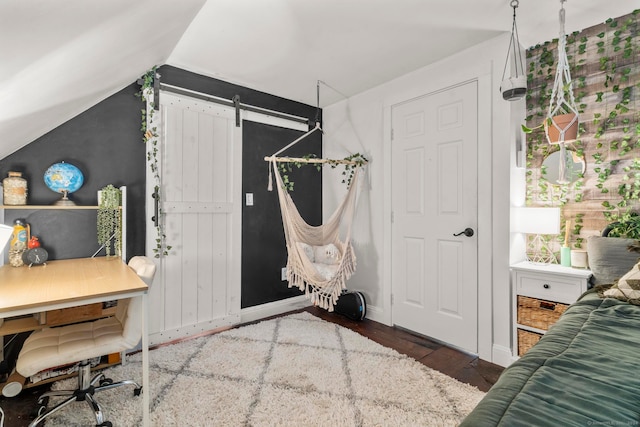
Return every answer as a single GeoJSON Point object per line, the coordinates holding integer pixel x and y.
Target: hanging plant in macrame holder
{"type": "Point", "coordinates": [109, 225]}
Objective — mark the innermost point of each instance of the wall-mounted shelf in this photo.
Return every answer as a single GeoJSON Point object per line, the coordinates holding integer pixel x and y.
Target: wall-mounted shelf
{"type": "Point", "coordinates": [35, 207]}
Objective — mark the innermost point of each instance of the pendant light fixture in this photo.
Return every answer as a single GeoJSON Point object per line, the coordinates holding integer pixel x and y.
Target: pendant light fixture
{"type": "Point", "coordinates": [515, 87]}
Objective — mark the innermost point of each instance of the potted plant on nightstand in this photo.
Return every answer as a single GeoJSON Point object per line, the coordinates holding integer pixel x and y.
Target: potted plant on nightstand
{"type": "Point", "coordinates": [627, 225]}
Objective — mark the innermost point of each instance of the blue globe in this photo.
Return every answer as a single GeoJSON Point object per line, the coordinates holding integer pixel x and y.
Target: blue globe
{"type": "Point", "coordinates": [63, 177]}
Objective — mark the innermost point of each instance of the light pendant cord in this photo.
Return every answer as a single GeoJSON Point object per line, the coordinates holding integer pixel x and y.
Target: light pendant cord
{"type": "Point", "coordinates": [514, 43]}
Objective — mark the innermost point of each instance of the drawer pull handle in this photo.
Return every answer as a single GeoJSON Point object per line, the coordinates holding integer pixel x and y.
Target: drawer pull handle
{"type": "Point", "coordinates": [546, 286]}
{"type": "Point", "coordinates": [547, 305]}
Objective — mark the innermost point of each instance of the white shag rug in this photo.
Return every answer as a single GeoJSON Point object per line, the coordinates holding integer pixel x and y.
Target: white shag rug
{"type": "Point", "coordinates": [296, 370]}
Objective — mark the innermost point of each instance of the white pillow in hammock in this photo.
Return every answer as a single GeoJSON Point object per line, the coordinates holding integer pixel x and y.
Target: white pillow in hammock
{"type": "Point", "coordinates": [325, 259]}
{"type": "Point", "coordinates": [327, 271]}
{"type": "Point", "coordinates": [308, 251]}
{"type": "Point", "coordinates": [327, 254]}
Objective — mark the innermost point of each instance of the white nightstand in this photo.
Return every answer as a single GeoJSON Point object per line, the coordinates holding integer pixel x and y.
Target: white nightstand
{"type": "Point", "coordinates": [541, 293]}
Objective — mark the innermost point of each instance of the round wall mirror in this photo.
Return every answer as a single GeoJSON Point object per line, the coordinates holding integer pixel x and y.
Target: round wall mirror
{"type": "Point", "coordinates": [574, 166]}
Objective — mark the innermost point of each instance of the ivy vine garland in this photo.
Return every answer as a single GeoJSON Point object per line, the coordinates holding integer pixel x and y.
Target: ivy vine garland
{"type": "Point", "coordinates": [150, 136]}
{"type": "Point", "coordinates": [356, 160]}
{"type": "Point", "coordinates": [109, 224]}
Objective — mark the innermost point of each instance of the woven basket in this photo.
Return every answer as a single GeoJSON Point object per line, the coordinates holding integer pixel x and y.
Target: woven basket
{"type": "Point", "coordinates": [526, 340]}
{"type": "Point", "coordinates": [539, 313]}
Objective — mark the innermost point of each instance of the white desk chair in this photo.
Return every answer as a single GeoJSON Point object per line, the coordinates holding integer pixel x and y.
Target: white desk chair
{"type": "Point", "coordinates": [83, 341]}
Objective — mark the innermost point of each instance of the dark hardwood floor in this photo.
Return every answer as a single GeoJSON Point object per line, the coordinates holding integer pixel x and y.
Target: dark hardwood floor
{"type": "Point", "coordinates": [464, 367]}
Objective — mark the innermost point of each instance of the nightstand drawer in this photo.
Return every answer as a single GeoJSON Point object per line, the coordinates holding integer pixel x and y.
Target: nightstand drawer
{"type": "Point", "coordinates": [537, 313]}
{"type": "Point", "coordinates": [526, 340]}
{"type": "Point", "coordinates": [549, 287]}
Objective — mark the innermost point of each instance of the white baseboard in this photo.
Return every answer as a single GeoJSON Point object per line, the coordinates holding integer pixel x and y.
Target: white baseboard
{"type": "Point", "coordinates": [501, 355]}
{"type": "Point", "coordinates": [246, 315]}
{"type": "Point", "coordinates": [376, 314]}
{"type": "Point", "coordinates": [273, 308]}
{"type": "Point", "coordinates": [191, 330]}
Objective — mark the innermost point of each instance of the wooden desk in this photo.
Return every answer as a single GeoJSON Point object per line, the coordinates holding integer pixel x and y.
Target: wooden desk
{"type": "Point", "coordinates": [73, 282]}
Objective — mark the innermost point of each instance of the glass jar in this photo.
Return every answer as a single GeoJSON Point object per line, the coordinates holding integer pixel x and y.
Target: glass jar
{"type": "Point", "coordinates": [15, 189]}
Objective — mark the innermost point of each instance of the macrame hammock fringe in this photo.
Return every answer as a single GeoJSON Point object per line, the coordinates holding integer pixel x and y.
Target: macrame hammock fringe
{"type": "Point", "coordinates": [321, 288]}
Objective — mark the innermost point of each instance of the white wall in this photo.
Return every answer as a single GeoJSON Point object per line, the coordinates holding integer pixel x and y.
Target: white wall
{"type": "Point", "coordinates": [362, 124]}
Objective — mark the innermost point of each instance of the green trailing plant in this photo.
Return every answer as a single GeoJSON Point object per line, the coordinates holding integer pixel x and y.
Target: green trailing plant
{"type": "Point", "coordinates": [355, 161]}
{"type": "Point", "coordinates": [109, 223]}
{"type": "Point", "coordinates": [577, 228]}
{"type": "Point", "coordinates": [150, 138]}
{"type": "Point", "coordinates": [629, 189]}
{"type": "Point", "coordinates": [626, 224]}
{"type": "Point", "coordinates": [286, 168]}
{"type": "Point", "coordinates": [527, 129]}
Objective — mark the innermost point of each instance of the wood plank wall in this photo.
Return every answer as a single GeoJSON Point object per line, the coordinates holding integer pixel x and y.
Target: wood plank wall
{"type": "Point", "coordinates": [605, 69]}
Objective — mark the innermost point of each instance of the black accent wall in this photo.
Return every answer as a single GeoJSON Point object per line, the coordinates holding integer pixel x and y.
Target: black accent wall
{"type": "Point", "coordinates": [105, 143]}
{"type": "Point", "coordinates": [264, 252]}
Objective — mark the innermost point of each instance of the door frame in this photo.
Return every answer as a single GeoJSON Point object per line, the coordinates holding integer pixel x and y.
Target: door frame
{"type": "Point", "coordinates": [483, 76]}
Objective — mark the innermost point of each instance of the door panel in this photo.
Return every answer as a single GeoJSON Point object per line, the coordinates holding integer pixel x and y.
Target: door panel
{"type": "Point", "coordinates": [434, 195]}
{"type": "Point", "coordinates": [197, 289]}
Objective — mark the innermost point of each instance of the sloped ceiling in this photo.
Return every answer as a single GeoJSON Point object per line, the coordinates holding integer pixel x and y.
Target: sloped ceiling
{"type": "Point", "coordinates": [58, 58]}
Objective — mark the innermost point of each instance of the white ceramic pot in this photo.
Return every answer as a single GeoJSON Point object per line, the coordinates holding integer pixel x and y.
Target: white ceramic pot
{"type": "Point", "coordinates": [579, 259]}
{"type": "Point", "coordinates": [514, 88]}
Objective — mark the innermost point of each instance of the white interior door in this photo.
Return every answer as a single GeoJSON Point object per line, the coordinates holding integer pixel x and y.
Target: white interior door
{"type": "Point", "coordinates": [198, 286]}
{"type": "Point", "coordinates": [434, 196]}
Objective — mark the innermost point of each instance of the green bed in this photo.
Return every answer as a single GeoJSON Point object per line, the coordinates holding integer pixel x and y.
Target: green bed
{"type": "Point", "coordinates": [583, 372]}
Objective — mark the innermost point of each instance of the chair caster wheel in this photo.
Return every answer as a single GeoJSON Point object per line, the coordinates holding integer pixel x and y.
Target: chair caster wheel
{"type": "Point", "coordinates": [43, 401]}
{"type": "Point", "coordinates": [106, 381]}
{"type": "Point", "coordinates": [42, 408]}
{"type": "Point", "coordinates": [137, 391]}
{"type": "Point", "coordinates": [105, 424]}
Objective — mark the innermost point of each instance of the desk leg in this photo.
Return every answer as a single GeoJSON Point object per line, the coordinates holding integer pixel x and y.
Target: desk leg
{"type": "Point", "coordinates": [146, 389]}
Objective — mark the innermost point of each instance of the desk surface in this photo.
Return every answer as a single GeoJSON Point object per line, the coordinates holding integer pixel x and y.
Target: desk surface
{"type": "Point", "coordinates": [64, 283]}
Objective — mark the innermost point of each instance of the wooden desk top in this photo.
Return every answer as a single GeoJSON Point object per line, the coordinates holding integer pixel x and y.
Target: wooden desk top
{"type": "Point", "coordinates": [65, 283]}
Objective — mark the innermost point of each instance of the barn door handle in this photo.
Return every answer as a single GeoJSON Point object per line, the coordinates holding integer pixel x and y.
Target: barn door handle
{"type": "Point", "coordinates": [156, 203]}
{"type": "Point", "coordinates": [467, 232]}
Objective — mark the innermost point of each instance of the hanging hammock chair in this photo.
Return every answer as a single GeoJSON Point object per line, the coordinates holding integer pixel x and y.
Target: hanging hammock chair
{"type": "Point", "coordinates": [319, 261]}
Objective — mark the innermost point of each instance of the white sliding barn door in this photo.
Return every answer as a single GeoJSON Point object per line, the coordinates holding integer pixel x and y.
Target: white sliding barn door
{"type": "Point", "coordinates": [434, 196]}
{"type": "Point", "coordinates": [198, 286]}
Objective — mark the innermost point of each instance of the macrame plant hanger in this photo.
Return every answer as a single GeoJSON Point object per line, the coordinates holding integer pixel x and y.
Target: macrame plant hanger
{"type": "Point", "coordinates": [562, 103]}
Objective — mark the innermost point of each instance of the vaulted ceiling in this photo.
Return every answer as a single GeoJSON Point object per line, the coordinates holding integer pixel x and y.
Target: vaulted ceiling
{"type": "Point", "coordinates": [58, 58]}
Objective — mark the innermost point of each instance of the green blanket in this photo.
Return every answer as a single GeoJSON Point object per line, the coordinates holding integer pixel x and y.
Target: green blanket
{"type": "Point", "coordinates": [583, 372]}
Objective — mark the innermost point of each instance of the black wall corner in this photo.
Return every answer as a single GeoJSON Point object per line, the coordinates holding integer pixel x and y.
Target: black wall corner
{"type": "Point", "coordinates": [105, 143]}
